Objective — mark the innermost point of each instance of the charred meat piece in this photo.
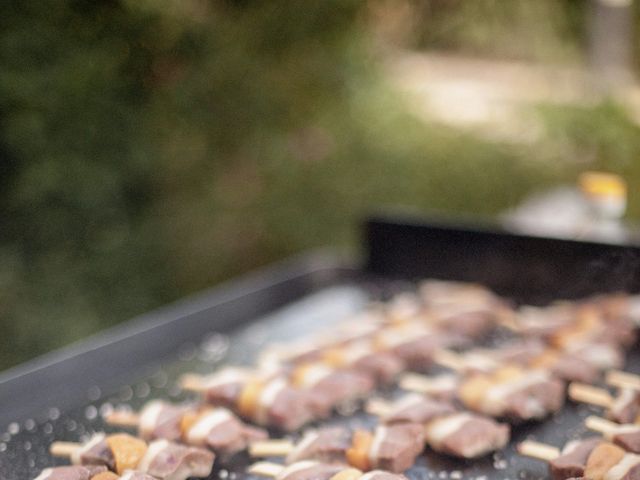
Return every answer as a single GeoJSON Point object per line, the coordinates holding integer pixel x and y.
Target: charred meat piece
{"type": "Point", "coordinates": [573, 459]}
{"type": "Point", "coordinates": [466, 435]}
{"type": "Point", "coordinates": [328, 445]}
{"type": "Point", "coordinates": [416, 408]}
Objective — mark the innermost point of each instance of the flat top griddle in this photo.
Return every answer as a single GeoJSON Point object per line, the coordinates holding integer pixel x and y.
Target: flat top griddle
{"type": "Point", "coordinates": [63, 396]}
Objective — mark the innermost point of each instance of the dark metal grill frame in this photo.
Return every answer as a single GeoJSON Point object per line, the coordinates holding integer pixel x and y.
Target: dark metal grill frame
{"type": "Point", "coordinates": [525, 268]}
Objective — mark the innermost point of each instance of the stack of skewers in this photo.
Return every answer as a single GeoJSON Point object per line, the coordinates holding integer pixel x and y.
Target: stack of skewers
{"type": "Point", "coordinates": [465, 412]}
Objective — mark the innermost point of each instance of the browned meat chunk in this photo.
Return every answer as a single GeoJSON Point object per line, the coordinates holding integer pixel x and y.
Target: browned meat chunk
{"type": "Point", "coordinates": [466, 435]}
{"type": "Point", "coordinates": [95, 452]}
{"type": "Point", "coordinates": [382, 366]}
{"type": "Point", "coordinates": [171, 461]}
{"type": "Point", "coordinates": [76, 472]}
{"type": "Point", "coordinates": [626, 407]}
{"type": "Point", "coordinates": [161, 419]}
{"type": "Point", "coordinates": [327, 388]}
{"type": "Point", "coordinates": [309, 470]}
{"type": "Point", "coordinates": [573, 459]}
{"type": "Point", "coordinates": [395, 447]}
{"type": "Point", "coordinates": [327, 445]}
{"type": "Point", "coordinates": [289, 409]}
{"type": "Point", "coordinates": [628, 437]}
{"type": "Point", "coordinates": [416, 408]}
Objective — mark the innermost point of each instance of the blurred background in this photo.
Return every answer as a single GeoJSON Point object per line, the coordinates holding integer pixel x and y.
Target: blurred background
{"type": "Point", "coordinates": [153, 148]}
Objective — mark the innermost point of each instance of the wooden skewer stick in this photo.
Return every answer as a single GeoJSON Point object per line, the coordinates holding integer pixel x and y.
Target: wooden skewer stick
{"type": "Point", "coordinates": [428, 385]}
{"type": "Point", "coordinates": [64, 449]}
{"type": "Point", "coordinates": [600, 425]}
{"type": "Point", "coordinates": [192, 382]}
{"type": "Point", "coordinates": [583, 393]}
{"type": "Point", "coordinates": [540, 451]}
{"type": "Point", "coordinates": [621, 379]}
{"type": "Point", "coordinates": [123, 418]}
{"type": "Point", "coordinates": [271, 448]}
{"type": "Point", "coordinates": [266, 469]}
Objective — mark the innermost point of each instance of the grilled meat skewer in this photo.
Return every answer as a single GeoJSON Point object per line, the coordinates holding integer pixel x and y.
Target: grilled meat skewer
{"type": "Point", "coordinates": [199, 426]}
{"type": "Point", "coordinates": [312, 470]}
{"type": "Point", "coordinates": [161, 459]}
{"type": "Point", "coordinates": [388, 447]}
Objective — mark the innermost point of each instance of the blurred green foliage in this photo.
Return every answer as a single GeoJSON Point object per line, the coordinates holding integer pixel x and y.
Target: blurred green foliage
{"type": "Point", "coordinates": [542, 30]}
{"type": "Point", "coordinates": [152, 148]}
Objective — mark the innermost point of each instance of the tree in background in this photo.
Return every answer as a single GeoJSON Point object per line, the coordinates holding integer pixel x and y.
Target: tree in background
{"type": "Point", "coordinates": [151, 148]}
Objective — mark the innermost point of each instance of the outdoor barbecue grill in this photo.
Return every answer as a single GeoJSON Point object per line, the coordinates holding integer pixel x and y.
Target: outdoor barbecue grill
{"type": "Point", "coordinates": [63, 395]}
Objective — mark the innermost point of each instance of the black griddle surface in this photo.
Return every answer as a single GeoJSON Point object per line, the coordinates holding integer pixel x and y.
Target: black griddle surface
{"type": "Point", "coordinates": [24, 446]}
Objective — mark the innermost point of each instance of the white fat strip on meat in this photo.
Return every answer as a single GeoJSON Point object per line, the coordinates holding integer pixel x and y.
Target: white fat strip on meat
{"type": "Point", "coordinates": [621, 429]}
{"type": "Point", "coordinates": [152, 452]}
{"type": "Point", "coordinates": [378, 438]}
{"type": "Point", "coordinates": [197, 434]}
{"type": "Point", "coordinates": [296, 467]}
{"type": "Point", "coordinates": [149, 417]}
{"type": "Point", "coordinates": [306, 441]}
{"type": "Point", "coordinates": [267, 398]}
{"type": "Point", "coordinates": [438, 430]}
{"type": "Point", "coordinates": [619, 470]}
{"type": "Point", "coordinates": [494, 400]}
{"type": "Point", "coordinates": [76, 456]}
